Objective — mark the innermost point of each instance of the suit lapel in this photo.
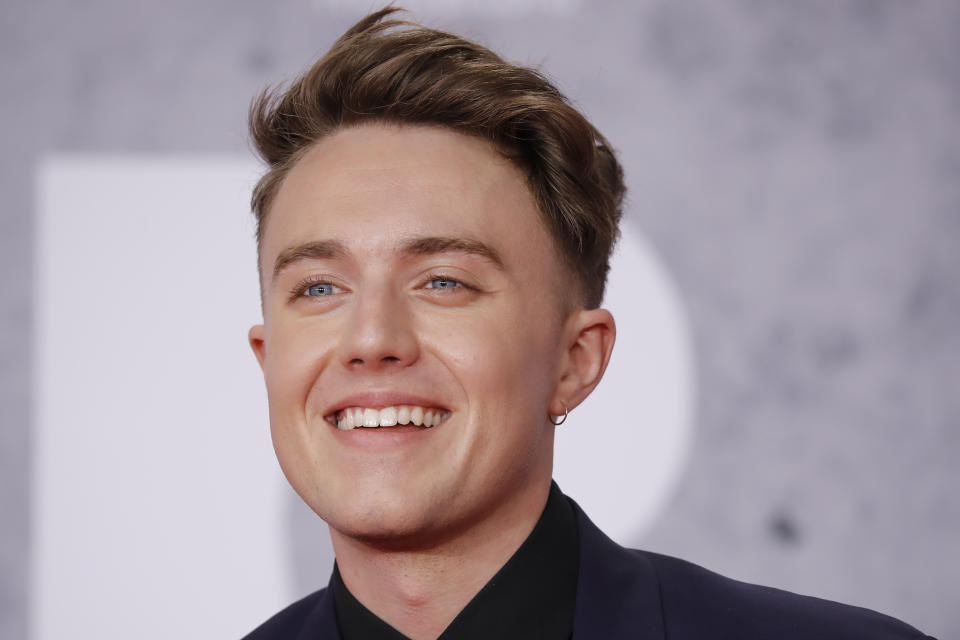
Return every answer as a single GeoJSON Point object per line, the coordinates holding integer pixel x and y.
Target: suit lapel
{"type": "Point", "coordinates": [618, 594]}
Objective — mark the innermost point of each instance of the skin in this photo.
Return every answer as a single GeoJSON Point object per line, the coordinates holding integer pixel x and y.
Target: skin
{"type": "Point", "coordinates": [420, 519]}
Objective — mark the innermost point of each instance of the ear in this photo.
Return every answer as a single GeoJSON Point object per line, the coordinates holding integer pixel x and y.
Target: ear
{"type": "Point", "coordinates": [257, 343]}
{"type": "Point", "coordinates": [591, 334]}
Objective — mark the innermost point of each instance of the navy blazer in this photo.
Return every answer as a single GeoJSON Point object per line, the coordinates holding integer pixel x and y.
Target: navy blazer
{"type": "Point", "coordinates": [626, 594]}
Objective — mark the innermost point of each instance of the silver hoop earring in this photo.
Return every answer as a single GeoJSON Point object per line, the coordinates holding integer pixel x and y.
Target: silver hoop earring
{"type": "Point", "coordinates": [566, 412]}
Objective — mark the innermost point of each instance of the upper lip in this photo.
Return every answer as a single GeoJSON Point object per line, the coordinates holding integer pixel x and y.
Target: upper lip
{"type": "Point", "coordinates": [381, 399]}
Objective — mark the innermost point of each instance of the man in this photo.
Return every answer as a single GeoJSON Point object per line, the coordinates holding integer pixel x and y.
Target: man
{"type": "Point", "coordinates": [434, 230]}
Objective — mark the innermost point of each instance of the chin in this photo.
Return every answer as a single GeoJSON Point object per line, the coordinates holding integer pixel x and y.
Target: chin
{"type": "Point", "coordinates": [388, 526]}
{"type": "Point", "coordinates": [391, 513]}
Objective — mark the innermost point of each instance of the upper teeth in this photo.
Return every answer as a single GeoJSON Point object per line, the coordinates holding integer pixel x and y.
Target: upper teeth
{"type": "Point", "coordinates": [389, 416]}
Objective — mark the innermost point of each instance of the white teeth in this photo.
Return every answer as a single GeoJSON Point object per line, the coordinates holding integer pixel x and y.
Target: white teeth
{"type": "Point", "coordinates": [388, 416]}
{"type": "Point", "coordinates": [354, 417]}
{"type": "Point", "coordinates": [416, 415]}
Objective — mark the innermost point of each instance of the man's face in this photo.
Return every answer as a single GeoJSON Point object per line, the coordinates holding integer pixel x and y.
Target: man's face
{"type": "Point", "coordinates": [406, 270]}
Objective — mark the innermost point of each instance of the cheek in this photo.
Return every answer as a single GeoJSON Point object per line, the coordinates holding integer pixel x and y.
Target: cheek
{"type": "Point", "coordinates": [291, 367]}
{"type": "Point", "coordinates": [502, 357]}
{"type": "Point", "coordinates": [508, 381]}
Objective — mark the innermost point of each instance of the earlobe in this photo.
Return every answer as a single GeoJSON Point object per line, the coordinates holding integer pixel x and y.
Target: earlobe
{"type": "Point", "coordinates": [257, 343]}
{"type": "Point", "coordinates": [593, 335]}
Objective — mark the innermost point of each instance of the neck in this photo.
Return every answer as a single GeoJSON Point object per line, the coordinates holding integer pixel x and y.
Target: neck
{"type": "Point", "coordinates": [419, 590]}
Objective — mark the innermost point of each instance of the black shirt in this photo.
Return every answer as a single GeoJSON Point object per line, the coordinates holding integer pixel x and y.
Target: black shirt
{"type": "Point", "coordinates": [530, 598]}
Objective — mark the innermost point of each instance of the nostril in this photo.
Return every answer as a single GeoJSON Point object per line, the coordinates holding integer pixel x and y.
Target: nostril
{"type": "Point", "coordinates": [383, 360]}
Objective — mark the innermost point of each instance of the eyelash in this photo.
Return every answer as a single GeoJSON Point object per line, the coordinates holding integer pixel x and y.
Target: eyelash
{"type": "Point", "coordinates": [301, 287]}
{"type": "Point", "coordinates": [299, 290]}
{"type": "Point", "coordinates": [442, 276]}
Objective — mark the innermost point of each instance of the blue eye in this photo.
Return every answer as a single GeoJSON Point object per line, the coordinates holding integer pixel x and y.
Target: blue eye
{"type": "Point", "coordinates": [321, 289]}
{"type": "Point", "coordinates": [443, 283]}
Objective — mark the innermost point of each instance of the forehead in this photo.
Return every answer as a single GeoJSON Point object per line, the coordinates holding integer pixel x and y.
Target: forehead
{"type": "Point", "coordinates": [370, 187]}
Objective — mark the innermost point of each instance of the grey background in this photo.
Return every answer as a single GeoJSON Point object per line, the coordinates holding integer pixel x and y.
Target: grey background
{"type": "Point", "coordinates": [796, 164]}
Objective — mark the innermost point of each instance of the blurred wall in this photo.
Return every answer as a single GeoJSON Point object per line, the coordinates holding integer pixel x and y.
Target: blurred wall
{"type": "Point", "coordinates": [795, 163]}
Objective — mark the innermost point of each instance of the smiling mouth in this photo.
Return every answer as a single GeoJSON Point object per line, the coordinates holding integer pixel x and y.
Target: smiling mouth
{"type": "Point", "coordinates": [367, 418]}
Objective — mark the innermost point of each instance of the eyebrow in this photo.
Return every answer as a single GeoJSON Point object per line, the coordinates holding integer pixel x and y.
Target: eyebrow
{"type": "Point", "coordinates": [318, 250]}
{"type": "Point", "coordinates": [442, 244]}
{"type": "Point", "coordinates": [422, 246]}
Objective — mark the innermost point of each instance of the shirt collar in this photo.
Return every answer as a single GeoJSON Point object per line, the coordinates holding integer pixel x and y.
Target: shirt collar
{"type": "Point", "coordinates": [531, 597]}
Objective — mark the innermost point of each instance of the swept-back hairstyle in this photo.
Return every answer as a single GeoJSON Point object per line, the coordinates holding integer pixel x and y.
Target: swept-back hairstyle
{"type": "Point", "coordinates": [400, 72]}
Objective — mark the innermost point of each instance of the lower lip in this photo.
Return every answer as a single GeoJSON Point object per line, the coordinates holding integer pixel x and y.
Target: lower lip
{"type": "Point", "coordinates": [383, 437]}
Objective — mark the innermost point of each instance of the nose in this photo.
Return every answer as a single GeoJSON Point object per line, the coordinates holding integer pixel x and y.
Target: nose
{"type": "Point", "coordinates": [379, 334]}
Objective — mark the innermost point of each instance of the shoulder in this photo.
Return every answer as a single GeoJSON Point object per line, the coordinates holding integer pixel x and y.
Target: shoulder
{"type": "Point", "coordinates": [625, 593]}
{"type": "Point", "coordinates": [698, 603]}
{"type": "Point", "coordinates": [290, 621]}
